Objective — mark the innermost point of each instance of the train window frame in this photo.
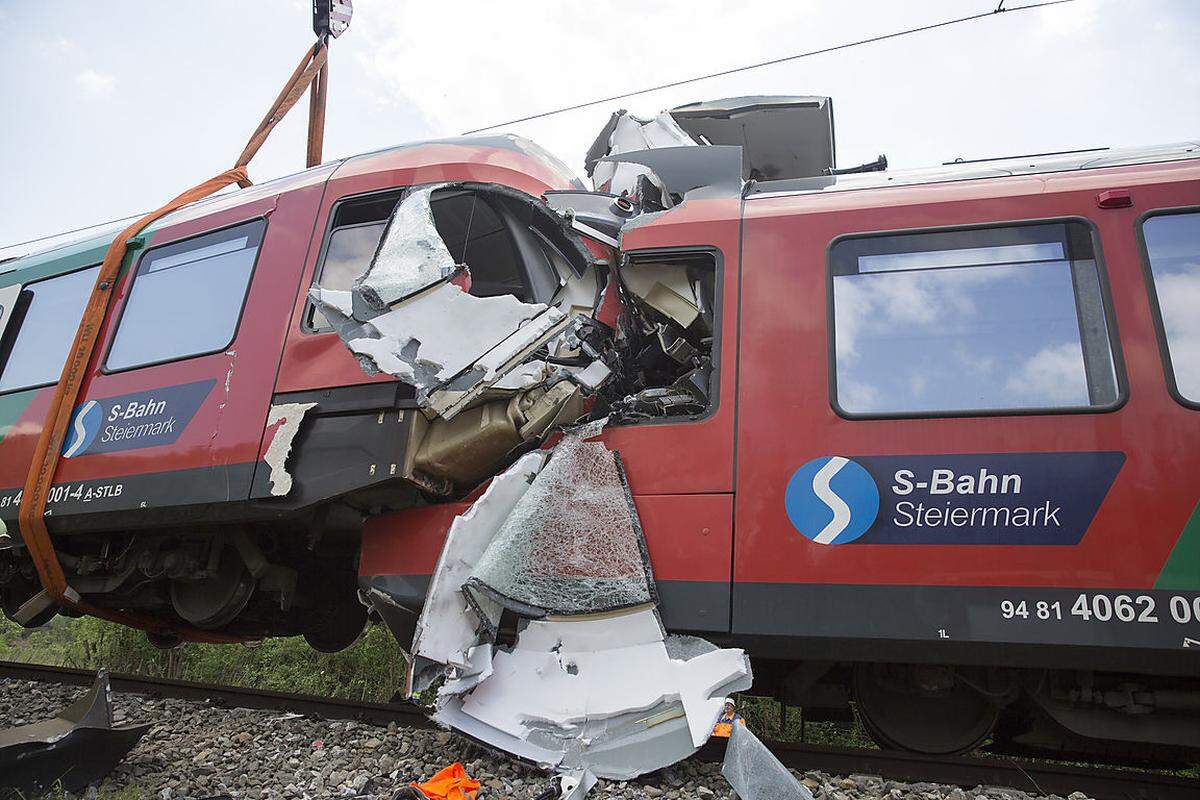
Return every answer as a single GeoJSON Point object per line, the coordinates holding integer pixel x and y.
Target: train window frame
{"type": "Point", "coordinates": [307, 318]}
{"type": "Point", "coordinates": [136, 271]}
{"type": "Point", "coordinates": [1116, 351]}
{"type": "Point", "coordinates": [9, 296]}
{"type": "Point", "coordinates": [714, 401]}
{"type": "Point", "coordinates": [15, 319]}
{"type": "Point", "coordinates": [1160, 332]}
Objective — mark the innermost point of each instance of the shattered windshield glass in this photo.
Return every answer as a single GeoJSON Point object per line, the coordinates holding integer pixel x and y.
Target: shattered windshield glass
{"type": "Point", "coordinates": [572, 544]}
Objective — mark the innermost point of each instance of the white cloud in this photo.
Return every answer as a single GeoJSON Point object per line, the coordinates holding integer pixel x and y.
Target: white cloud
{"type": "Point", "coordinates": [884, 304]}
{"type": "Point", "coordinates": [858, 396]}
{"type": "Point", "coordinates": [1051, 377]}
{"type": "Point", "coordinates": [1179, 299]}
{"type": "Point", "coordinates": [95, 83]}
{"type": "Point", "coordinates": [59, 45]}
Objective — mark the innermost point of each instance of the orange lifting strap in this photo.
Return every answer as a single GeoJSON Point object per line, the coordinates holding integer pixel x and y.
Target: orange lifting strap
{"type": "Point", "coordinates": [312, 71]}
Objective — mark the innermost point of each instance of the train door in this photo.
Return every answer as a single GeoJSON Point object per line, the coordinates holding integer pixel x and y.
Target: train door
{"type": "Point", "coordinates": [681, 470]}
{"type": "Point", "coordinates": [946, 441]}
{"type": "Point", "coordinates": [176, 402]}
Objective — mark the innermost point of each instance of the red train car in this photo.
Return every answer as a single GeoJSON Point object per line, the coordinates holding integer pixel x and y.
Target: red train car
{"type": "Point", "coordinates": [937, 454]}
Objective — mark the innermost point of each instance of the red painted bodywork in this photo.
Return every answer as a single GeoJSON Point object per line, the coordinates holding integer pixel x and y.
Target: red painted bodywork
{"type": "Point", "coordinates": [784, 325]}
{"type": "Point", "coordinates": [711, 492]}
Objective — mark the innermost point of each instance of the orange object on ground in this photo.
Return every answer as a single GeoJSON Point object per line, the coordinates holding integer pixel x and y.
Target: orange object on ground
{"type": "Point", "coordinates": [452, 783]}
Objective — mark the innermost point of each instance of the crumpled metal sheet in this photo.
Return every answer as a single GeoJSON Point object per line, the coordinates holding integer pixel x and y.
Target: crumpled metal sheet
{"type": "Point", "coordinates": [405, 317]}
{"type": "Point", "coordinates": [411, 256]}
{"type": "Point", "coordinates": [445, 631]}
{"type": "Point", "coordinates": [596, 686]}
{"type": "Point", "coordinates": [75, 748]}
{"type": "Point", "coordinates": [573, 543]}
{"type": "Point", "coordinates": [630, 134]}
{"type": "Point", "coordinates": [756, 774]}
{"type": "Point", "coordinates": [600, 694]}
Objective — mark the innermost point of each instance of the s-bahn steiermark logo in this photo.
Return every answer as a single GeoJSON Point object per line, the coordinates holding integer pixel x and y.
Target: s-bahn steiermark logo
{"type": "Point", "coordinates": [131, 421]}
{"type": "Point", "coordinates": [961, 498]}
{"type": "Point", "coordinates": [85, 427]}
{"type": "Point", "coordinates": [832, 500]}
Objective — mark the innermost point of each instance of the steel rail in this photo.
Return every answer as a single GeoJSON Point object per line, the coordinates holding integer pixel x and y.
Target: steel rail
{"type": "Point", "coordinates": [1037, 777]}
{"type": "Point", "coordinates": [227, 696]}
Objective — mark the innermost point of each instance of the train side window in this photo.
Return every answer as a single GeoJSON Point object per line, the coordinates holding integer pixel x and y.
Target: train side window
{"type": "Point", "coordinates": [476, 230]}
{"type": "Point", "coordinates": [41, 327]}
{"type": "Point", "coordinates": [1173, 252]}
{"type": "Point", "coordinates": [988, 320]}
{"type": "Point", "coordinates": [187, 298]}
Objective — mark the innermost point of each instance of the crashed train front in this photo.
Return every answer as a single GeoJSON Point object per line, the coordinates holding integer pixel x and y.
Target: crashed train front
{"type": "Point", "coordinates": [261, 389]}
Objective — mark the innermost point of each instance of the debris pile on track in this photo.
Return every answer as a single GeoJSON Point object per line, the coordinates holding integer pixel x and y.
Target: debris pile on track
{"type": "Point", "coordinates": [199, 750]}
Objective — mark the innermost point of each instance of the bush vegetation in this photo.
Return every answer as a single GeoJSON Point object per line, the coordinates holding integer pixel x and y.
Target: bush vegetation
{"type": "Point", "coordinates": [372, 669]}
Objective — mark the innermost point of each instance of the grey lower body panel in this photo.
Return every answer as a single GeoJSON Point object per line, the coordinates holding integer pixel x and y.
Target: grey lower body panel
{"type": "Point", "coordinates": [1107, 618]}
{"type": "Point", "coordinates": [684, 605]}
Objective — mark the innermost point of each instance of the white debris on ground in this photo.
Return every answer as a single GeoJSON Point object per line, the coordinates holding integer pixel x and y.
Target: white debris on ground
{"type": "Point", "coordinates": [199, 751]}
{"type": "Point", "coordinates": [589, 686]}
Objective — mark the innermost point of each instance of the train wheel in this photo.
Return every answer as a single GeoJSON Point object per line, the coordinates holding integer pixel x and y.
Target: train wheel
{"type": "Point", "coordinates": [920, 708]}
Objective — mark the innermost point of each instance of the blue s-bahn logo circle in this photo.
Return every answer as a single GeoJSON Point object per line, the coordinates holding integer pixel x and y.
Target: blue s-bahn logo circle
{"type": "Point", "coordinates": [832, 500]}
{"type": "Point", "coordinates": [85, 425]}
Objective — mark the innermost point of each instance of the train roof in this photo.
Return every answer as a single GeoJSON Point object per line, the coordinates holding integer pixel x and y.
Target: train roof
{"type": "Point", "coordinates": [1004, 167]}
{"type": "Point", "coordinates": [69, 251]}
{"type": "Point", "coordinates": [47, 256]}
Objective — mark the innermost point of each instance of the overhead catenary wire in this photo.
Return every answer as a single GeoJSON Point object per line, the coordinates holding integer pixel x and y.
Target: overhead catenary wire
{"type": "Point", "coordinates": [843, 46]}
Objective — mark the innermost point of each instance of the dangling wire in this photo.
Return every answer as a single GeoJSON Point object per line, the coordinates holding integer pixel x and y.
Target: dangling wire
{"type": "Point", "coordinates": [470, 219]}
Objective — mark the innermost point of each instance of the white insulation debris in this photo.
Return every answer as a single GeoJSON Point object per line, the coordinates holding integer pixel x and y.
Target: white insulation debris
{"type": "Point", "coordinates": [591, 685]}
{"type": "Point", "coordinates": [630, 134]}
{"type": "Point", "coordinates": [411, 255]}
{"type": "Point", "coordinates": [290, 415]}
{"type": "Point", "coordinates": [445, 631]}
{"type": "Point", "coordinates": [406, 318]}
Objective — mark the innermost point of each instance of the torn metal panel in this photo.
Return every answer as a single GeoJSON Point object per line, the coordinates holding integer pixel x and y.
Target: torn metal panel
{"type": "Point", "coordinates": [601, 211]}
{"type": "Point", "coordinates": [408, 317]}
{"type": "Point", "coordinates": [589, 690]}
{"type": "Point", "coordinates": [411, 256]}
{"type": "Point", "coordinates": [756, 774]}
{"type": "Point", "coordinates": [78, 747]}
{"type": "Point", "coordinates": [493, 365]}
{"type": "Point", "coordinates": [627, 133]}
{"type": "Point", "coordinates": [573, 543]}
{"type": "Point", "coordinates": [448, 627]}
{"type": "Point", "coordinates": [711, 171]}
{"type": "Point", "coordinates": [781, 136]}
{"type": "Point", "coordinates": [604, 693]}
{"type": "Point", "coordinates": [288, 418]}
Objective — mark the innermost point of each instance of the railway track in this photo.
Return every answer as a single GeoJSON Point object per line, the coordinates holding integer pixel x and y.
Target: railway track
{"type": "Point", "coordinates": [1029, 776]}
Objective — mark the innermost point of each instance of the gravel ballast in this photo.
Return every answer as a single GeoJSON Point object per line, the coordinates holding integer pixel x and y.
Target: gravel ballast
{"type": "Point", "coordinates": [198, 750]}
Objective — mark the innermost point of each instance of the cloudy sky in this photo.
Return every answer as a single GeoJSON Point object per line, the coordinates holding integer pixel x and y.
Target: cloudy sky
{"type": "Point", "coordinates": [112, 108]}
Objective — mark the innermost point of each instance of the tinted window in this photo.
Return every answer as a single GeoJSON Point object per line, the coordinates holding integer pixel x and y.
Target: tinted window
{"type": "Point", "coordinates": [186, 298]}
{"type": "Point", "coordinates": [347, 255]}
{"type": "Point", "coordinates": [42, 327]}
{"type": "Point", "coordinates": [1173, 246]}
{"type": "Point", "coordinates": [997, 319]}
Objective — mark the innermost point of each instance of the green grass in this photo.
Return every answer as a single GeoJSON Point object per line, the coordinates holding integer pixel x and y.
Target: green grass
{"type": "Point", "coordinates": [128, 793]}
{"type": "Point", "coordinates": [373, 669]}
